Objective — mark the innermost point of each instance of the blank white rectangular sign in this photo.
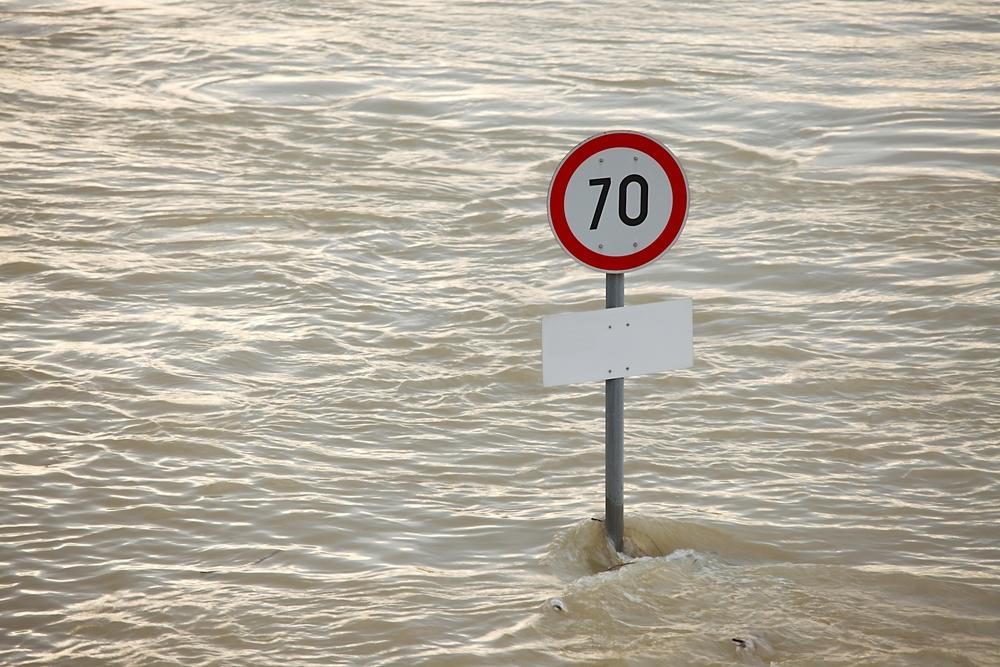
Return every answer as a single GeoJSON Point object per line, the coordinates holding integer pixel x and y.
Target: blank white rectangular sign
{"type": "Point", "coordinates": [617, 342]}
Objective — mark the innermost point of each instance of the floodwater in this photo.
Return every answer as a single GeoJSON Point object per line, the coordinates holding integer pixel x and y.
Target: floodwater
{"type": "Point", "coordinates": [272, 277]}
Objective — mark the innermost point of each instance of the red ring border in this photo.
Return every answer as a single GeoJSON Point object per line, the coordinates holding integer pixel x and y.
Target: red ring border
{"type": "Point", "coordinates": [595, 144]}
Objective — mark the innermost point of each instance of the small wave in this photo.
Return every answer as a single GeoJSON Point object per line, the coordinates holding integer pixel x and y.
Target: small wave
{"type": "Point", "coordinates": [583, 549]}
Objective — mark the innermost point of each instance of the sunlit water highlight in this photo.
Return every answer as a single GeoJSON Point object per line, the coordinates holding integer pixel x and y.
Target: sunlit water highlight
{"type": "Point", "coordinates": [271, 283]}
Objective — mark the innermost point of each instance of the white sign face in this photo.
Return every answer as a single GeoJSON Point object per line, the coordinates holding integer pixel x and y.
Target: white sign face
{"type": "Point", "coordinates": [617, 342]}
{"type": "Point", "coordinates": [617, 201]}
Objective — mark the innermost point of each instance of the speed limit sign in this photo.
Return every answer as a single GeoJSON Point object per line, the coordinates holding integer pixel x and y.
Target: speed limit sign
{"type": "Point", "coordinates": [618, 201]}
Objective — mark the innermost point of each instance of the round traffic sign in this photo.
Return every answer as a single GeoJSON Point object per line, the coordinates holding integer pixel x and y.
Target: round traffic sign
{"type": "Point", "coordinates": [617, 201]}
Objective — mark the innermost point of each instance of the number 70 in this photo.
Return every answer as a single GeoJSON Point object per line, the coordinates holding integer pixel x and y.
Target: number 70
{"type": "Point", "coordinates": [623, 215]}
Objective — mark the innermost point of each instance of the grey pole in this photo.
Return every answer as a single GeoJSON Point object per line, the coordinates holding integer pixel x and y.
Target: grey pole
{"type": "Point", "coordinates": [614, 433]}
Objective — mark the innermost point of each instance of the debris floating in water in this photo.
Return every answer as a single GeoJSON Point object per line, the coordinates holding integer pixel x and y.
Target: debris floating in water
{"type": "Point", "coordinates": [756, 645]}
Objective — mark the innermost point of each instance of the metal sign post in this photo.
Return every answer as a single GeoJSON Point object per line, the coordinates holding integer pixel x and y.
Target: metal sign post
{"type": "Point", "coordinates": [614, 433]}
{"type": "Point", "coordinates": [616, 203]}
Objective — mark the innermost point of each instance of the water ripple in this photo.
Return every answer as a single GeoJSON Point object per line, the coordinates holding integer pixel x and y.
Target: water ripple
{"type": "Point", "coordinates": [271, 282]}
